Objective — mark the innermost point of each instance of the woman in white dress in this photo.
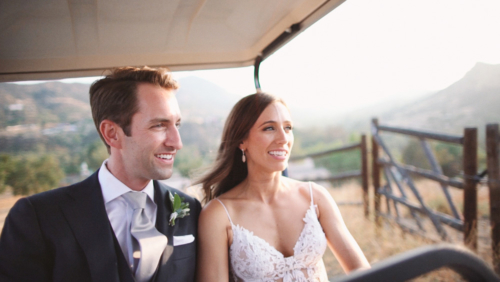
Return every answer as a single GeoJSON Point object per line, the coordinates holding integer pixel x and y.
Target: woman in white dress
{"type": "Point", "coordinates": [259, 225]}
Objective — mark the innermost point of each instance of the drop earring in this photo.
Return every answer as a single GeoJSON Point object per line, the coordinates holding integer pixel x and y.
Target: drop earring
{"type": "Point", "coordinates": [243, 158]}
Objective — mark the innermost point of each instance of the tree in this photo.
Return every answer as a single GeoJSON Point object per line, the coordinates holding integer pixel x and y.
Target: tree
{"type": "Point", "coordinates": [6, 166]}
{"type": "Point", "coordinates": [450, 158]}
{"type": "Point", "coordinates": [188, 159]}
{"type": "Point", "coordinates": [340, 162]}
{"type": "Point", "coordinates": [32, 175]}
{"type": "Point", "coordinates": [96, 154]}
{"type": "Point", "coordinates": [414, 154]}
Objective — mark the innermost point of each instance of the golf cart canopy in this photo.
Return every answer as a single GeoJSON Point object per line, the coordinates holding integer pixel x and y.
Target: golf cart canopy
{"type": "Point", "coordinates": [55, 39]}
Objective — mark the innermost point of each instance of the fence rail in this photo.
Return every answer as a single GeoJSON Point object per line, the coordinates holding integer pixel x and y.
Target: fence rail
{"type": "Point", "coordinates": [423, 134]}
{"type": "Point", "coordinates": [400, 175]}
{"type": "Point", "coordinates": [424, 173]}
{"type": "Point", "coordinates": [328, 152]}
{"type": "Point", "coordinates": [362, 172]}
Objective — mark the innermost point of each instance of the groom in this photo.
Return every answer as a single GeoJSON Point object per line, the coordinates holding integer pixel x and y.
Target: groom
{"type": "Point", "coordinates": [119, 224]}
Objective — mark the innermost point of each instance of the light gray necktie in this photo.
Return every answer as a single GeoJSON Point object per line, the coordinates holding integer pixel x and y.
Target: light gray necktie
{"type": "Point", "coordinates": [150, 242]}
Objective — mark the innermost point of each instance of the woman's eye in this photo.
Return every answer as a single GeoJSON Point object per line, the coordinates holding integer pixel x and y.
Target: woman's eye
{"type": "Point", "coordinates": [288, 128]}
{"type": "Point", "coordinates": [178, 125]}
{"type": "Point", "coordinates": [268, 128]}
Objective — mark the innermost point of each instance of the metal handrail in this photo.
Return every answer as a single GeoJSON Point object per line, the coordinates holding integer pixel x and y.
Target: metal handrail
{"type": "Point", "coordinates": [423, 260]}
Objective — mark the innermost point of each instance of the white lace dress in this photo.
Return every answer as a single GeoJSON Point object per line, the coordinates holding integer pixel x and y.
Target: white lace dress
{"type": "Point", "coordinates": [253, 259]}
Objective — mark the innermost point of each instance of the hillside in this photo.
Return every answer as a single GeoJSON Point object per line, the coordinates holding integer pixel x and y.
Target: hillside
{"type": "Point", "coordinates": [203, 100]}
{"type": "Point", "coordinates": [56, 102]}
{"type": "Point", "coordinates": [472, 101]}
{"type": "Point", "coordinates": [53, 115]}
{"type": "Point", "coordinates": [43, 104]}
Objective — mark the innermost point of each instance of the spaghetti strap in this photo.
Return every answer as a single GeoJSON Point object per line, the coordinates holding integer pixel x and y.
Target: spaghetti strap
{"type": "Point", "coordinates": [226, 211]}
{"type": "Point", "coordinates": [311, 191]}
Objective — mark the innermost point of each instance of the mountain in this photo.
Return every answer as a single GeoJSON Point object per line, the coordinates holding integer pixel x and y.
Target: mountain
{"type": "Point", "coordinates": [43, 103]}
{"type": "Point", "coordinates": [56, 102]}
{"type": "Point", "coordinates": [201, 100]}
{"type": "Point", "coordinates": [472, 101]}
{"type": "Point", "coordinates": [31, 113]}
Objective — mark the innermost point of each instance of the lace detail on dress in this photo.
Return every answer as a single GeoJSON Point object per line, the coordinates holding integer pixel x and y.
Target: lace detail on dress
{"type": "Point", "coordinates": [254, 259]}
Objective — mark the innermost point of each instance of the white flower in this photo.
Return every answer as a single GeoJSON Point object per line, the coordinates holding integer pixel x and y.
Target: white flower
{"type": "Point", "coordinates": [180, 208]}
{"type": "Point", "coordinates": [173, 216]}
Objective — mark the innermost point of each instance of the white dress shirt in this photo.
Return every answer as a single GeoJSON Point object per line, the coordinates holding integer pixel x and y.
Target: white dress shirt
{"type": "Point", "coordinates": [118, 210]}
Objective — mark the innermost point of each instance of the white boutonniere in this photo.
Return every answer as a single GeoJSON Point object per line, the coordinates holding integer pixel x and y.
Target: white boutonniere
{"type": "Point", "coordinates": [180, 208]}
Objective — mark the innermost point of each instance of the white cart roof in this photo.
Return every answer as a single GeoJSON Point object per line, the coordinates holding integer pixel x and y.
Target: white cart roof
{"type": "Point", "coordinates": [54, 39]}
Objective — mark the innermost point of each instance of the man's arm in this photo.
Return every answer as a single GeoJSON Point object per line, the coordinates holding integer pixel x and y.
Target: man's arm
{"type": "Point", "coordinates": [23, 253]}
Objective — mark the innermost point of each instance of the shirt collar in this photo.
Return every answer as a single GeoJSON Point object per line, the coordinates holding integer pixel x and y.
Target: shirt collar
{"type": "Point", "coordinates": [113, 188]}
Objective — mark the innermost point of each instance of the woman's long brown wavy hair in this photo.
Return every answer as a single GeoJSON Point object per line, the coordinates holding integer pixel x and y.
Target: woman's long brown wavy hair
{"type": "Point", "coordinates": [228, 169]}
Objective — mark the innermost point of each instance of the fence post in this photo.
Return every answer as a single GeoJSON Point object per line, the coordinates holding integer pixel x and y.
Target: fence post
{"type": "Point", "coordinates": [375, 171]}
{"type": "Point", "coordinates": [470, 187]}
{"type": "Point", "coordinates": [492, 150]}
{"type": "Point", "coordinates": [364, 175]}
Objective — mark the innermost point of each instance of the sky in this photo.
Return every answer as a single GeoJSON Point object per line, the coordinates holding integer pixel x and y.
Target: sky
{"type": "Point", "coordinates": [369, 52]}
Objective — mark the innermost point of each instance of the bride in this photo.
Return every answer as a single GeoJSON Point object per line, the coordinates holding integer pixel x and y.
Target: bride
{"type": "Point", "coordinates": [259, 225]}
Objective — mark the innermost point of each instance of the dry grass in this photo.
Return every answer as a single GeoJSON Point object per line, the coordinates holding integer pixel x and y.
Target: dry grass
{"type": "Point", "coordinates": [389, 240]}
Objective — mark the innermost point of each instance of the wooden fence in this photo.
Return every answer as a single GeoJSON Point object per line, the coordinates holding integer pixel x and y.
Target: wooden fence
{"type": "Point", "coordinates": [397, 175]}
{"type": "Point", "coordinates": [387, 166]}
{"type": "Point", "coordinates": [400, 175]}
{"type": "Point", "coordinates": [493, 165]}
{"type": "Point", "coordinates": [362, 172]}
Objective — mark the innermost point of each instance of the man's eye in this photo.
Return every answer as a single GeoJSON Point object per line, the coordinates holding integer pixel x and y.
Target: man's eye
{"type": "Point", "coordinates": [178, 125]}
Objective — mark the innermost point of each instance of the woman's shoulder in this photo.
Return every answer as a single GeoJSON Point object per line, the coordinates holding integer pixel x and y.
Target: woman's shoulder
{"type": "Point", "coordinates": [306, 187]}
{"type": "Point", "coordinates": [213, 212]}
{"type": "Point", "coordinates": [300, 184]}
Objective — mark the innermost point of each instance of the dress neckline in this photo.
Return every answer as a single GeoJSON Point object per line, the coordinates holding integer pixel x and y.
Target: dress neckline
{"type": "Point", "coordinates": [251, 233]}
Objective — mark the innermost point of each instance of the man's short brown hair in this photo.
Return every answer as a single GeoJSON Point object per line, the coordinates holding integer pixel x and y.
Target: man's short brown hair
{"type": "Point", "coordinates": [115, 96]}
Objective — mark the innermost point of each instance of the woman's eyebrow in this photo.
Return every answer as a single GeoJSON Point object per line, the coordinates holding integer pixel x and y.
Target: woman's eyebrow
{"type": "Point", "coordinates": [273, 121]}
{"type": "Point", "coordinates": [266, 122]}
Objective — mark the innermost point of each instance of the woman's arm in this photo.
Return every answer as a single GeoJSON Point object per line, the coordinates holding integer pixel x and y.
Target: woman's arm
{"type": "Point", "coordinates": [213, 261]}
{"type": "Point", "coordinates": [339, 239]}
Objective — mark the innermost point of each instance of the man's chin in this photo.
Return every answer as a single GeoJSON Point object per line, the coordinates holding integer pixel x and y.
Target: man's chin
{"type": "Point", "coordinates": [162, 175]}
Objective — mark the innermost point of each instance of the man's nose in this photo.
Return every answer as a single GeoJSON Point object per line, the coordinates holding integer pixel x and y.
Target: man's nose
{"type": "Point", "coordinates": [173, 138]}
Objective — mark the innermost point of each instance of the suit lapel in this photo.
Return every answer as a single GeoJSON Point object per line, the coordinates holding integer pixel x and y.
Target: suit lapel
{"type": "Point", "coordinates": [86, 214]}
{"type": "Point", "coordinates": [164, 210]}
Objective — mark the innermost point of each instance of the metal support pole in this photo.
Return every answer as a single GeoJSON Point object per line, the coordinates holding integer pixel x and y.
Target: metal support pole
{"type": "Point", "coordinates": [256, 68]}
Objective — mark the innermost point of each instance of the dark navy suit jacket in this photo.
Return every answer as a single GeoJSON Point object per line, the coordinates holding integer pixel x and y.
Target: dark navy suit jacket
{"type": "Point", "coordinates": [65, 235]}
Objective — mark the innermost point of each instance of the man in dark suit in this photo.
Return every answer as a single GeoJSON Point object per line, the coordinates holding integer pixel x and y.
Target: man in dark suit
{"type": "Point", "coordinates": [91, 231]}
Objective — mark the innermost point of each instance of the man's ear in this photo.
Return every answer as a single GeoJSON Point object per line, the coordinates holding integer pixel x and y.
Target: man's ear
{"type": "Point", "coordinates": [111, 133]}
